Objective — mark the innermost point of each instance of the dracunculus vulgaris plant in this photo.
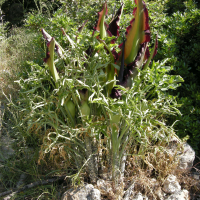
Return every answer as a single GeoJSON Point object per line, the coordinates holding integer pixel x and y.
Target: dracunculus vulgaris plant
{"type": "Point", "coordinates": [92, 103]}
{"type": "Point", "coordinates": [121, 70]}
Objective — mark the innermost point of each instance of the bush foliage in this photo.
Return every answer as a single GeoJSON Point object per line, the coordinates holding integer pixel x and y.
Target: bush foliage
{"type": "Point", "coordinates": [179, 31]}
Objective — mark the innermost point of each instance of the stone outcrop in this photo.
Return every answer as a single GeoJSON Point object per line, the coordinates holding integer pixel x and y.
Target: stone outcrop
{"type": "Point", "coordinates": [180, 195]}
{"type": "Point", "coordinates": [185, 157]}
{"type": "Point", "coordinates": [86, 192]}
{"type": "Point", "coordinates": [139, 196]}
{"type": "Point", "coordinates": [171, 185]}
{"type": "Point", "coordinates": [170, 189]}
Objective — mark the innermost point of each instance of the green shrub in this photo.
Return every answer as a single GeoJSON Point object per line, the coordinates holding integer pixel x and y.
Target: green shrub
{"type": "Point", "coordinates": [15, 11]}
{"type": "Point", "coordinates": [178, 33]}
{"type": "Point", "coordinates": [172, 6]}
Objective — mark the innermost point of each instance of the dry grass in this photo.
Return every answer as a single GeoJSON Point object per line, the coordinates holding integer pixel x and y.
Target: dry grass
{"type": "Point", "coordinates": [15, 50]}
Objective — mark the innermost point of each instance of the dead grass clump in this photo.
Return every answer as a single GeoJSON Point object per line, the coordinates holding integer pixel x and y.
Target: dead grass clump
{"type": "Point", "coordinates": [15, 50]}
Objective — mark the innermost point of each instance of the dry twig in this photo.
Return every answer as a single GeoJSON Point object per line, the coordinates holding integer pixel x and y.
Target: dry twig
{"type": "Point", "coordinates": [10, 193]}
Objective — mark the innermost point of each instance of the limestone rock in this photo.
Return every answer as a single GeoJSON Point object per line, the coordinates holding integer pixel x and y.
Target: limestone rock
{"type": "Point", "coordinates": [139, 196]}
{"type": "Point", "coordinates": [180, 195]}
{"type": "Point", "coordinates": [86, 192]}
{"type": "Point", "coordinates": [171, 185]}
{"type": "Point", "coordinates": [159, 193]}
{"type": "Point", "coordinates": [187, 158]}
{"type": "Point", "coordinates": [105, 187]}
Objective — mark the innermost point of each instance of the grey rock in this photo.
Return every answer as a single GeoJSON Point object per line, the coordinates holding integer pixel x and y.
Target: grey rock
{"type": "Point", "coordinates": [139, 196]}
{"type": "Point", "coordinates": [129, 192]}
{"type": "Point", "coordinates": [180, 195]}
{"type": "Point", "coordinates": [86, 192]}
{"type": "Point", "coordinates": [171, 185]}
{"type": "Point", "coordinates": [196, 175]}
{"type": "Point", "coordinates": [184, 157]}
{"type": "Point", "coordinates": [95, 194]}
{"type": "Point", "coordinates": [187, 158]}
{"type": "Point", "coordinates": [104, 186]}
{"type": "Point", "coordinates": [159, 193]}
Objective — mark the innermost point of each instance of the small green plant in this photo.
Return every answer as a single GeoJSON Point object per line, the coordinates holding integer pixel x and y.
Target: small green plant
{"type": "Point", "coordinates": [96, 103]}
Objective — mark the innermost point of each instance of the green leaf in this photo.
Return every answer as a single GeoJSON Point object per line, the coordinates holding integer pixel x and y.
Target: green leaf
{"type": "Point", "coordinates": [50, 60]}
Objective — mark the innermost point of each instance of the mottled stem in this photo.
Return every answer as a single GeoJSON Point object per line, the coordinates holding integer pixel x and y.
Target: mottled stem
{"type": "Point", "coordinates": [91, 165]}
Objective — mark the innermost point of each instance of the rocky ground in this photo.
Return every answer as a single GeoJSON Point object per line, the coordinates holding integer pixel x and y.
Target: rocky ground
{"type": "Point", "coordinates": [184, 185]}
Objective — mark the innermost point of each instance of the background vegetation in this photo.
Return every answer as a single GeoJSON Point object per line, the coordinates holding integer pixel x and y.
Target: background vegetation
{"type": "Point", "coordinates": [179, 32]}
{"type": "Point", "coordinates": [178, 26]}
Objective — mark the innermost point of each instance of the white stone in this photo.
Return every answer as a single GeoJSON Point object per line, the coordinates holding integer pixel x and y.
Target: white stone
{"type": "Point", "coordinates": [95, 194]}
{"type": "Point", "coordinates": [139, 196]}
{"type": "Point", "coordinates": [196, 176]}
{"type": "Point", "coordinates": [159, 193]}
{"type": "Point", "coordinates": [187, 158]}
{"type": "Point", "coordinates": [86, 192]}
{"type": "Point", "coordinates": [180, 195]}
{"type": "Point", "coordinates": [104, 186]}
{"type": "Point", "coordinates": [171, 185]}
